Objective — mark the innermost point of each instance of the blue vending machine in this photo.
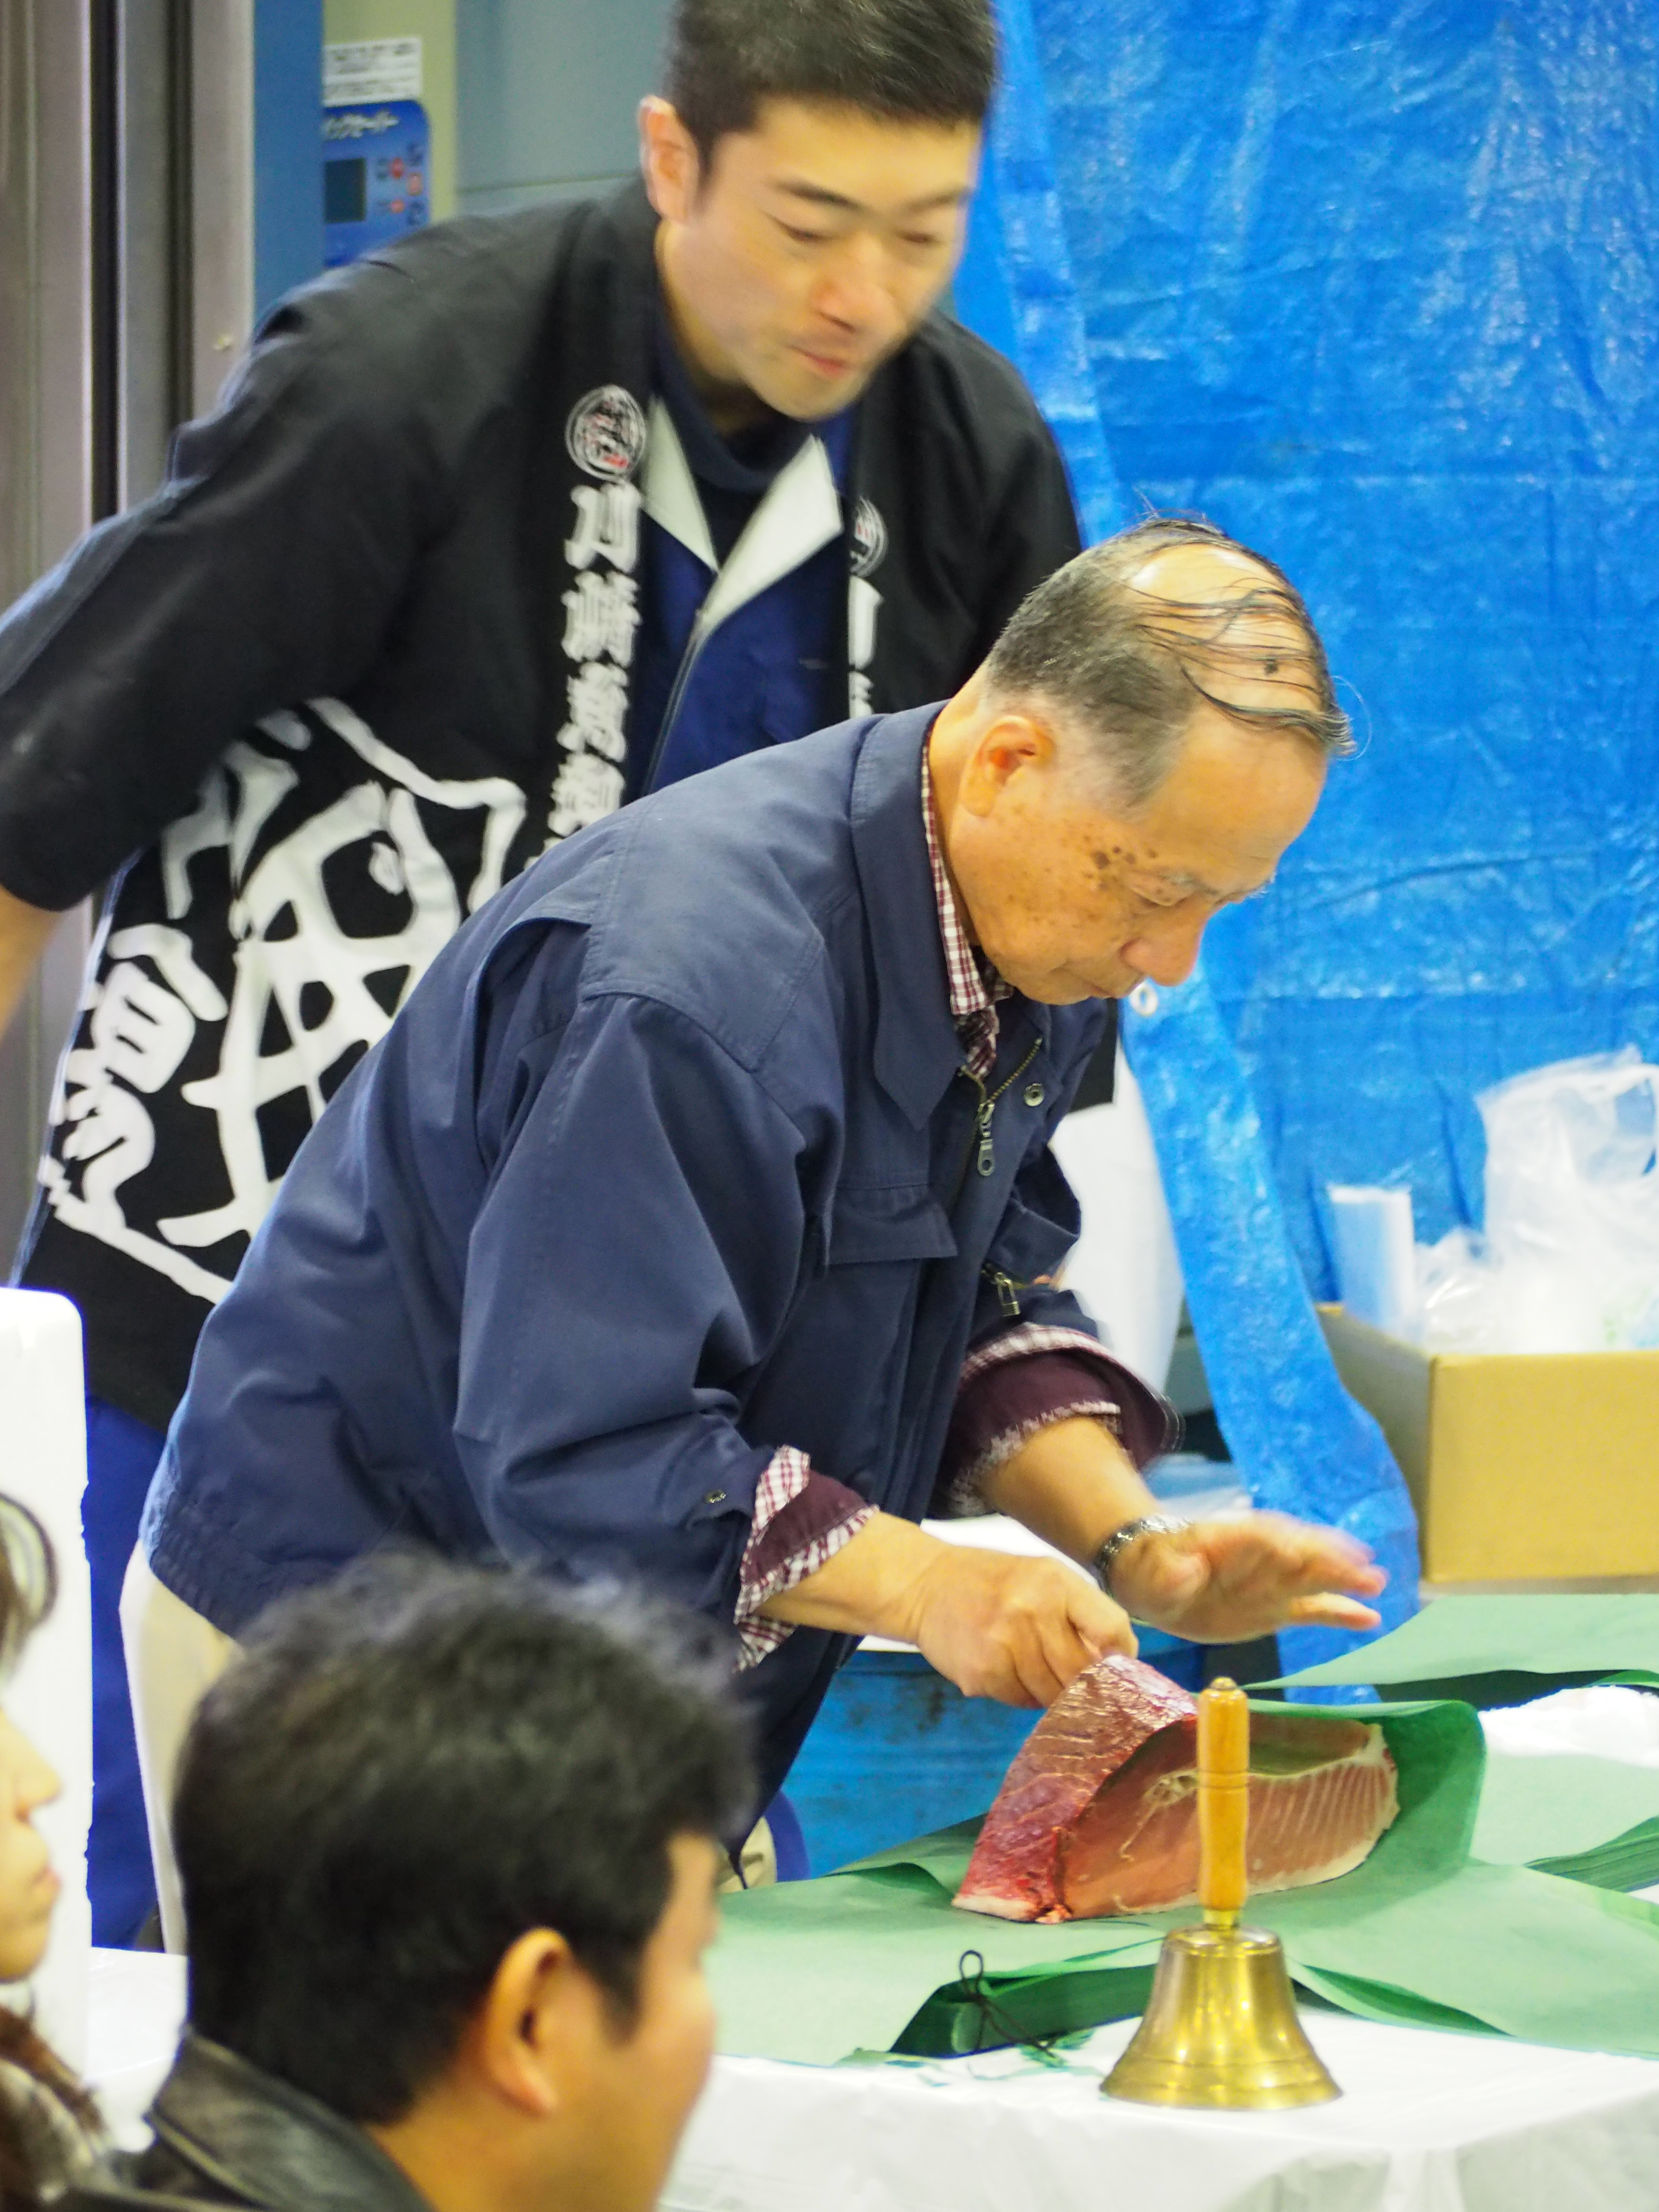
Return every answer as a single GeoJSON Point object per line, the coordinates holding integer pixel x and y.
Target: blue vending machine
{"type": "Point", "coordinates": [377, 163]}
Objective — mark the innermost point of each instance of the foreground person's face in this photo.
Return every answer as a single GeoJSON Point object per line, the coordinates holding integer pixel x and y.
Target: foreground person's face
{"type": "Point", "coordinates": [29, 1887]}
{"type": "Point", "coordinates": [811, 251]}
{"type": "Point", "coordinates": [1070, 901]}
{"type": "Point", "coordinates": [642, 2084]}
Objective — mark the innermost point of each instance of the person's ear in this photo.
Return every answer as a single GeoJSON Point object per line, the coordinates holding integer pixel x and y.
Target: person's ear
{"type": "Point", "coordinates": [518, 2034]}
{"type": "Point", "coordinates": [668, 155]}
{"type": "Point", "coordinates": [1009, 743]}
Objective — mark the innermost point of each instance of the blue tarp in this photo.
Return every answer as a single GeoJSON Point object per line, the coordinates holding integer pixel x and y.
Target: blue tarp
{"type": "Point", "coordinates": [1377, 287]}
{"type": "Point", "coordinates": [1374, 287]}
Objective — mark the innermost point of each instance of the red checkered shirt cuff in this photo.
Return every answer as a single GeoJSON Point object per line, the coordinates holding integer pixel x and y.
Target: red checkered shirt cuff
{"type": "Point", "coordinates": [1024, 1381]}
{"type": "Point", "coordinates": [802, 1519]}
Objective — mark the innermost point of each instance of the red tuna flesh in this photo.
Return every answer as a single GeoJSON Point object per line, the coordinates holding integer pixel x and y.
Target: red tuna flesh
{"type": "Point", "coordinates": [1098, 1813]}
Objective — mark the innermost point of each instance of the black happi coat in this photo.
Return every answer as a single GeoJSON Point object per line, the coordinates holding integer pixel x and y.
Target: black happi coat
{"type": "Point", "coordinates": [341, 677]}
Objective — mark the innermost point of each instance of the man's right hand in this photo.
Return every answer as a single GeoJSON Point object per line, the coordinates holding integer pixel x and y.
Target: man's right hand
{"type": "Point", "coordinates": [1014, 1629]}
{"type": "Point", "coordinates": [996, 1625]}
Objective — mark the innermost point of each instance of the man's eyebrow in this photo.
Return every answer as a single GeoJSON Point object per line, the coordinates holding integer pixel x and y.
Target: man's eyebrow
{"type": "Point", "coordinates": [821, 195]}
{"type": "Point", "coordinates": [1189, 886]}
{"type": "Point", "coordinates": [1176, 879]}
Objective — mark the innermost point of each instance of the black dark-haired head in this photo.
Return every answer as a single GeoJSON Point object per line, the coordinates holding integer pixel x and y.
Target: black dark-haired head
{"type": "Point", "coordinates": [409, 1770]}
{"type": "Point", "coordinates": [906, 61]}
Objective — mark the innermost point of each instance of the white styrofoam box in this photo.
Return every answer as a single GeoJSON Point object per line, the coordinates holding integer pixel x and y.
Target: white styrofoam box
{"type": "Point", "coordinates": [1125, 1267]}
{"type": "Point", "coordinates": [1598, 1720]}
{"type": "Point", "coordinates": [138, 2001]}
{"type": "Point", "coordinates": [42, 1462]}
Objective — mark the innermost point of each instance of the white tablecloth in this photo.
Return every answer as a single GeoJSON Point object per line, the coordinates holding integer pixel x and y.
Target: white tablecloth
{"type": "Point", "coordinates": [1426, 2122]}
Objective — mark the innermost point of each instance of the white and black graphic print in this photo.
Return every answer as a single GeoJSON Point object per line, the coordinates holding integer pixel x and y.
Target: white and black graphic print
{"type": "Point", "coordinates": [869, 538]}
{"type": "Point", "coordinates": [605, 432]}
{"type": "Point", "coordinates": [606, 435]}
{"type": "Point", "coordinates": [863, 603]}
{"type": "Point", "coordinates": [211, 1055]}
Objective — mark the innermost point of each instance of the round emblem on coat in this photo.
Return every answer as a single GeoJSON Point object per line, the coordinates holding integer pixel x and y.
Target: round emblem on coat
{"type": "Point", "coordinates": [605, 434]}
{"type": "Point", "coordinates": [869, 538]}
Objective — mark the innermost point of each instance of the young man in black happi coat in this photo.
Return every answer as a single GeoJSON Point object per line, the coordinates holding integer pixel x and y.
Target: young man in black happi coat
{"type": "Point", "coordinates": [482, 531]}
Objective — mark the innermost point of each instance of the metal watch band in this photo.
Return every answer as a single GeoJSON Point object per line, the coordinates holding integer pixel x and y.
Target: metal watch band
{"type": "Point", "coordinates": [1149, 1524]}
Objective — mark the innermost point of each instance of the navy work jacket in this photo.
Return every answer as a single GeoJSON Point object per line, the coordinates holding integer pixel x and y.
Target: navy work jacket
{"type": "Point", "coordinates": [670, 1160]}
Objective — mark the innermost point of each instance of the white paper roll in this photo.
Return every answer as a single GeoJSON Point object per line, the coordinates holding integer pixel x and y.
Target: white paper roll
{"type": "Point", "coordinates": [1375, 1256]}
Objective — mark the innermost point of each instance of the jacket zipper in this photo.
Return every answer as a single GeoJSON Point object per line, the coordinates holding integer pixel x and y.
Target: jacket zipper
{"type": "Point", "coordinates": [689, 659]}
{"type": "Point", "coordinates": [981, 1142]}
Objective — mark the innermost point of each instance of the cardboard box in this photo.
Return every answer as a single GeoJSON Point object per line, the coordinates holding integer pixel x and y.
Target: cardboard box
{"type": "Point", "coordinates": [1523, 1467]}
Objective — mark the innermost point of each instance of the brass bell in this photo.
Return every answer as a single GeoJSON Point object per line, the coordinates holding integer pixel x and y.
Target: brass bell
{"type": "Point", "coordinates": [1221, 2029]}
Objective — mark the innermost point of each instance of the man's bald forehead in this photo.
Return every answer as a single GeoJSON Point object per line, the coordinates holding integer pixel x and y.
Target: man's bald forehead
{"type": "Point", "coordinates": [1189, 571]}
{"type": "Point", "coordinates": [1124, 642]}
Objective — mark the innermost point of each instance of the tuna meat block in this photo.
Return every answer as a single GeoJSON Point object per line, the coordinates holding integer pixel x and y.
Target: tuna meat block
{"type": "Point", "coordinates": [1098, 1813]}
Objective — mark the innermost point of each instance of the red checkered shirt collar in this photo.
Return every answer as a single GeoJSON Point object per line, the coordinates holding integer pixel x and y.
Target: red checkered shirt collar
{"type": "Point", "coordinates": [975, 986]}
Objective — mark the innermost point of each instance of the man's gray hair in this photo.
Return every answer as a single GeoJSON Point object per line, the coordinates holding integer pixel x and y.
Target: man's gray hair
{"type": "Point", "coordinates": [1126, 670]}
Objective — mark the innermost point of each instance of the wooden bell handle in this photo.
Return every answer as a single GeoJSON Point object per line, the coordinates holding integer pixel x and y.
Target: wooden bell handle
{"type": "Point", "coordinates": [1223, 1800]}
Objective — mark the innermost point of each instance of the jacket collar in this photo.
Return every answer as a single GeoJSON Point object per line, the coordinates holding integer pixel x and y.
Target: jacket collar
{"type": "Point", "coordinates": [917, 1049]}
{"type": "Point", "coordinates": [255, 2138]}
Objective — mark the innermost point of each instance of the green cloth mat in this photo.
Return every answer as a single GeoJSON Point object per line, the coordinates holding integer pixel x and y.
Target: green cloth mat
{"type": "Point", "coordinates": [870, 1959]}
{"type": "Point", "coordinates": [1455, 1638]}
{"type": "Point", "coordinates": [1591, 1820]}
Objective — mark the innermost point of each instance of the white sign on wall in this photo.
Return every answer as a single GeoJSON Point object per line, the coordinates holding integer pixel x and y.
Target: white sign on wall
{"type": "Point", "coordinates": [371, 69]}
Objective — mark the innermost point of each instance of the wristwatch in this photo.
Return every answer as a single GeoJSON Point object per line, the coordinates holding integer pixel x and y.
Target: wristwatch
{"type": "Point", "coordinates": [1149, 1524]}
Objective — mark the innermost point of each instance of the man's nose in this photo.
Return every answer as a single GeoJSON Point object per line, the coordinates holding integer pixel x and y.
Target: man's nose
{"type": "Point", "coordinates": [854, 290]}
{"type": "Point", "coordinates": [1170, 953]}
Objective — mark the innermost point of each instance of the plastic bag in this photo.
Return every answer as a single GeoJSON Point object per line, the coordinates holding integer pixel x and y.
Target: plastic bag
{"type": "Point", "coordinates": [1457, 1304]}
{"type": "Point", "coordinates": [1570, 1261]}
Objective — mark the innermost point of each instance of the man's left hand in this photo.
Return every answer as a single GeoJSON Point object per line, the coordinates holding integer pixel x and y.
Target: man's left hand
{"type": "Point", "coordinates": [1224, 1582]}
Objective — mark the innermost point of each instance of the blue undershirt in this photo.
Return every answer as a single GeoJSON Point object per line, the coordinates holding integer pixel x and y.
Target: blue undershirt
{"type": "Point", "coordinates": [772, 671]}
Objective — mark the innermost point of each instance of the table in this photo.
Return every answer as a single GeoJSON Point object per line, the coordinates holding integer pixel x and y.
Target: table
{"type": "Point", "coordinates": [1428, 2123]}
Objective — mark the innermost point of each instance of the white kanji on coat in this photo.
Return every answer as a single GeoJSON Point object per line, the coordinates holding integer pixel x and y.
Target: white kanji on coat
{"type": "Point", "coordinates": [607, 527]}
{"type": "Point", "coordinates": [308, 993]}
{"type": "Point", "coordinates": [586, 790]}
{"type": "Point", "coordinates": [597, 708]}
{"type": "Point", "coordinates": [601, 616]}
{"type": "Point", "coordinates": [141, 1025]}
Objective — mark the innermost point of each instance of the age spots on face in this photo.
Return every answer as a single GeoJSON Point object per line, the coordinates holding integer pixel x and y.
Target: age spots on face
{"type": "Point", "coordinates": [1109, 862]}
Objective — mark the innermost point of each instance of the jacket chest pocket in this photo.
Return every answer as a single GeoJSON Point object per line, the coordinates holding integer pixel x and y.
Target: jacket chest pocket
{"type": "Point", "coordinates": [887, 1225]}
{"type": "Point", "coordinates": [837, 1386]}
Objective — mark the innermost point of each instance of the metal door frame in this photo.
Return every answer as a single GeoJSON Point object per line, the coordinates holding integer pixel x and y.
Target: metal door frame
{"type": "Point", "coordinates": [46, 366]}
{"type": "Point", "coordinates": [126, 294]}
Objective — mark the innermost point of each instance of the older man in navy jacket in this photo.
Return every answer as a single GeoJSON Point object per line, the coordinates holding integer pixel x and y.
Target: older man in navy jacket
{"type": "Point", "coordinates": [696, 1223]}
